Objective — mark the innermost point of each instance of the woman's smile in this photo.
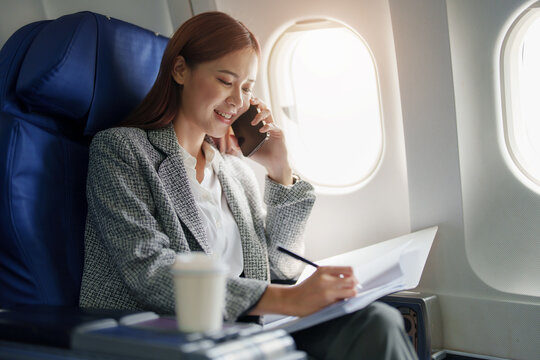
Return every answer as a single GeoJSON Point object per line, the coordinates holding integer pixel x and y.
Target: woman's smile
{"type": "Point", "coordinates": [224, 117]}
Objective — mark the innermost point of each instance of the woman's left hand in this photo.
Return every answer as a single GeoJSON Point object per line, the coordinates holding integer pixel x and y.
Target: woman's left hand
{"type": "Point", "coordinates": [272, 154]}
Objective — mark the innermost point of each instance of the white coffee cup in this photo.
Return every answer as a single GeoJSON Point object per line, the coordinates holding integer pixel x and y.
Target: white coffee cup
{"type": "Point", "coordinates": [199, 286]}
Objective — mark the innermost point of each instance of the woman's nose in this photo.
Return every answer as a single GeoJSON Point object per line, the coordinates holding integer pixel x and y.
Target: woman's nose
{"type": "Point", "coordinates": [235, 98]}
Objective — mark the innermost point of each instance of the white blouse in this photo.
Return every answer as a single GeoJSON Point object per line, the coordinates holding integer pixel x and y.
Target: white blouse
{"type": "Point", "coordinates": [221, 229]}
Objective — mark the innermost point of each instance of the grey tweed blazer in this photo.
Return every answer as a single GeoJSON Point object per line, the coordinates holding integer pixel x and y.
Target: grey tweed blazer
{"type": "Point", "coordinates": [141, 213]}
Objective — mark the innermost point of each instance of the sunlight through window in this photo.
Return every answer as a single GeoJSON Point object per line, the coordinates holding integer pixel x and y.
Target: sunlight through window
{"type": "Point", "coordinates": [325, 92]}
{"type": "Point", "coordinates": [522, 94]}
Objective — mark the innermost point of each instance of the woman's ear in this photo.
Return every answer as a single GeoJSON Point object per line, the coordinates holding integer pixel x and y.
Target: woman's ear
{"type": "Point", "coordinates": [180, 70]}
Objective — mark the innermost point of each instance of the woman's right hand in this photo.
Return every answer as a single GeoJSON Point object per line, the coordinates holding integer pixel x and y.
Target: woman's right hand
{"type": "Point", "coordinates": [327, 285]}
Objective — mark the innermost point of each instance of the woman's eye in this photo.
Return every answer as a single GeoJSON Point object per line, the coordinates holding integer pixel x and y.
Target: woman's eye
{"type": "Point", "coordinates": [247, 90]}
{"type": "Point", "coordinates": [225, 82]}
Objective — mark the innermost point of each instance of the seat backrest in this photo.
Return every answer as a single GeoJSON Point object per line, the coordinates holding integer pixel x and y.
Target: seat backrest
{"type": "Point", "coordinates": [61, 81]}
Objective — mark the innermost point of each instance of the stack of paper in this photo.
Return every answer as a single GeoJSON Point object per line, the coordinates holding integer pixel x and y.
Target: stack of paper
{"type": "Point", "coordinates": [381, 269]}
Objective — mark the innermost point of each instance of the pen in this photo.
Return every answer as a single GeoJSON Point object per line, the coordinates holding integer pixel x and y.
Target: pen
{"type": "Point", "coordinates": [296, 256]}
{"type": "Point", "coordinates": [301, 258]}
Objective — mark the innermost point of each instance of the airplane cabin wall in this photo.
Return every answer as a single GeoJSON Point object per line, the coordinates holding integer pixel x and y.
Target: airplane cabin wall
{"type": "Point", "coordinates": [501, 208]}
{"type": "Point", "coordinates": [446, 79]}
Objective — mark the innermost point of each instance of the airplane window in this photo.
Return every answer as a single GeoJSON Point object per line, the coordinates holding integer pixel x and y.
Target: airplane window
{"type": "Point", "coordinates": [325, 95]}
{"type": "Point", "coordinates": [521, 88]}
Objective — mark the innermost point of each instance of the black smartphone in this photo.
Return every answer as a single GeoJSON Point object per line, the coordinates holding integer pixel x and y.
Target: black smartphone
{"type": "Point", "coordinates": [248, 136]}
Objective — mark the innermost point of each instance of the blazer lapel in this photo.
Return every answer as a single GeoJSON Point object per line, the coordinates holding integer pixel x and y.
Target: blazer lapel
{"type": "Point", "coordinates": [174, 177]}
{"type": "Point", "coordinates": [254, 253]}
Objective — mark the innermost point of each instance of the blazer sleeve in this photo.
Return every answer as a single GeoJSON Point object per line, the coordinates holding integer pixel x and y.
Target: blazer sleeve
{"type": "Point", "coordinates": [287, 211]}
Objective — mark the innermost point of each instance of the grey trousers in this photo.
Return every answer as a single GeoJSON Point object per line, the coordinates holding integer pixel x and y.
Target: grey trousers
{"type": "Point", "coordinates": [375, 332]}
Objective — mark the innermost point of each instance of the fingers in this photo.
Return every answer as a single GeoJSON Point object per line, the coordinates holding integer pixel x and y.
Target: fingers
{"type": "Point", "coordinates": [341, 277]}
{"type": "Point", "coordinates": [348, 294]}
{"type": "Point", "coordinates": [337, 283]}
{"type": "Point", "coordinates": [226, 149]}
{"type": "Point", "coordinates": [327, 285]}
{"type": "Point", "coordinates": [257, 101]}
{"type": "Point", "coordinates": [264, 115]}
{"type": "Point", "coordinates": [336, 289]}
{"type": "Point", "coordinates": [264, 112]}
{"type": "Point", "coordinates": [346, 271]}
{"type": "Point", "coordinates": [233, 141]}
{"type": "Point", "coordinates": [228, 144]}
{"type": "Point", "coordinates": [233, 147]}
{"type": "Point", "coordinates": [268, 127]}
{"type": "Point", "coordinates": [221, 144]}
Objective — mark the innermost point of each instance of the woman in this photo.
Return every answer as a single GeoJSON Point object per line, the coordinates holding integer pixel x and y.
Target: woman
{"type": "Point", "coordinates": [158, 186]}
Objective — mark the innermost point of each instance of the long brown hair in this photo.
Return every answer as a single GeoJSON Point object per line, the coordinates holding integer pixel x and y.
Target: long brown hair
{"type": "Point", "coordinates": [204, 37]}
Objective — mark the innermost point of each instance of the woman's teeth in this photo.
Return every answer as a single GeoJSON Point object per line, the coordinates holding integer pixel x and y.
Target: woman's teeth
{"type": "Point", "coordinates": [226, 116]}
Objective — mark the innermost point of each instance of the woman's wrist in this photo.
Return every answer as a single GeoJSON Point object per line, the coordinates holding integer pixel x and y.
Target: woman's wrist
{"type": "Point", "coordinates": [282, 176]}
{"type": "Point", "coordinates": [275, 300]}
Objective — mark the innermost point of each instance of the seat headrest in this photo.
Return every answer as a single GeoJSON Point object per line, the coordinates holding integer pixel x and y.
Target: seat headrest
{"type": "Point", "coordinates": [58, 71]}
{"type": "Point", "coordinates": [89, 69]}
{"type": "Point", "coordinates": [127, 65]}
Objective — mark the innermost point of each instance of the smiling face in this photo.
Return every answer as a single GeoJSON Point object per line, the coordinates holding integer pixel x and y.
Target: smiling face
{"type": "Point", "coordinates": [215, 93]}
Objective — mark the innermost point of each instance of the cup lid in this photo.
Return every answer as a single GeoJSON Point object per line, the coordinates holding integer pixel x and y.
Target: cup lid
{"type": "Point", "coordinates": [198, 262]}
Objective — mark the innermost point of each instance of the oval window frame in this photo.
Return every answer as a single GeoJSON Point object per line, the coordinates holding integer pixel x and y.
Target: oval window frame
{"type": "Point", "coordinates": [510, 92]}
{"type": "Point", "coordinates": [278, 92]}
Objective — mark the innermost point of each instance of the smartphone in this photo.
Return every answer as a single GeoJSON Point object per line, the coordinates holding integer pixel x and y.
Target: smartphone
{"type": "Point", "coordinates": [248, 136]}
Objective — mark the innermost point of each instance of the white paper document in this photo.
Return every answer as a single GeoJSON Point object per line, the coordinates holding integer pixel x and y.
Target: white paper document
{"type": "Point", "coordinates": [381, 269]}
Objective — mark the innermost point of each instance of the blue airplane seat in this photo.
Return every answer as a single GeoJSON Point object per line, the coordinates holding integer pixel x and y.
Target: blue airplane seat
{"type": "Point", "coordinates": [61, 81]}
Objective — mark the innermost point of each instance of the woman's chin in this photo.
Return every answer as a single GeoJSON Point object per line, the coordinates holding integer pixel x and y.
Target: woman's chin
{"type": "Point", "coordinates": [218, 133]}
